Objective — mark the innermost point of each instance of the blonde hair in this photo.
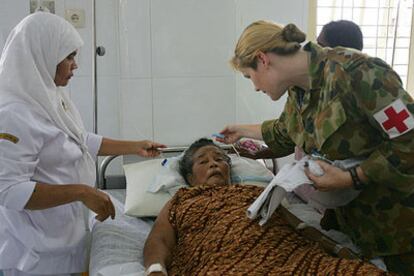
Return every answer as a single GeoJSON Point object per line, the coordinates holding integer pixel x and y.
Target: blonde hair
{"type": "Point", "coordinates": [265, 36]}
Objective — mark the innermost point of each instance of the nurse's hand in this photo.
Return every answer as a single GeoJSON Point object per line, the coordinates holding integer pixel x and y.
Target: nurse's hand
{"type": "Point", "coordinates": [99, 202]}
{"type": "Point", "coordinates": [148, 148]}
{"type": "Point", "coordinates": [334, 178]}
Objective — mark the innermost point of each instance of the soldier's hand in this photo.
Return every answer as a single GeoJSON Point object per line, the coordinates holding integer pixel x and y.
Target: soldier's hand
{"type": "Point", "coordinates": [334, 178]}
{"type": "Point", "coordinates": [247, 153]}
{"type": "Point", "coordinates": [232, 134]}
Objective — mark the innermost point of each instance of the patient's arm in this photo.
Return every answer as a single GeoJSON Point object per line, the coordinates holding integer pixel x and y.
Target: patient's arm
{"type": "Point", "coordinates": [161, 240]}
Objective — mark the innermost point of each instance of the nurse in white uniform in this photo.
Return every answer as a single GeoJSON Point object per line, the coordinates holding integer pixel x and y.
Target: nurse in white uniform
{"type": "Point", "coordinates": [47, 170]}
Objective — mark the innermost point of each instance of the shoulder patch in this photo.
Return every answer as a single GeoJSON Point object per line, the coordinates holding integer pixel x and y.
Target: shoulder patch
{"type": "Point", "coordinates": [395, 119]}
{"type": "Point", "coordinates": [9, 137]}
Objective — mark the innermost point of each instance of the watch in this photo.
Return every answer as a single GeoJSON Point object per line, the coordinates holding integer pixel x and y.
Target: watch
{"type": "Point", "coordinates": [157, 267]}
{"type": "Point", "coordinates": [356, 182]}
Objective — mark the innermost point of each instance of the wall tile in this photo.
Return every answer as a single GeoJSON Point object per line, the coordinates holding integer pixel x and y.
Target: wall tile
{"type": "Point", "coordinates": [80, 88]}
{"type": "Point", "coordinates": [136, 111]}
{"type": "Point", "coordinates": [11, 12]}
{"type": "Point", "coordinates": [192, 38]}
{"type": "Point", "coordinates": [108, 107]}
{"type": "Point", "coordinates": [278, 11]}
{"type": "Point", "coordinates": [189, 108]}
{"type": "Point", "coordinates": [135, 38]}
{"type": "Point", "coordinates": [254, 107]}
{"type": "Point", "coordinates": [107, 35]}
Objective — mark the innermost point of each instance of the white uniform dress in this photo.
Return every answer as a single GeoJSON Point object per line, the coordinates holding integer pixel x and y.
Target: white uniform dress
{"type": "Point", "coordinates": [42, 139]}
{"type": "Point", "coordinates": [45, 240]}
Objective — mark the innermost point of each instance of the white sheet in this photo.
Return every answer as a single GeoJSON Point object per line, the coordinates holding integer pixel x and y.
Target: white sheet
{"type": "Point", "coordinates": [126, 269]}
{"type": "Point", "coordinates": [117, 245]}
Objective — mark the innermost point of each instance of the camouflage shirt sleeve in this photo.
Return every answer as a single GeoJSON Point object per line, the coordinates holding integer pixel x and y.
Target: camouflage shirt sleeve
{"type": "Point", "coordinates": [375, 85]}
{"type": "Point", "coordinates": [275, 135]}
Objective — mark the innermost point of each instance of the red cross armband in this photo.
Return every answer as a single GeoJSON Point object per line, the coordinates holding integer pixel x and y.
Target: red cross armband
{"type": "Point", "coordinates": [395, 119]}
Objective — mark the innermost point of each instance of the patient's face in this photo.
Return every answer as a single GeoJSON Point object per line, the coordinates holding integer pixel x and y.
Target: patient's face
{"type": "Point", "coordinates": [209, 167]}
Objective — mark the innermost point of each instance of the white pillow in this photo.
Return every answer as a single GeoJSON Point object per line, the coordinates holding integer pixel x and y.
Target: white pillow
{"type": "Point", "coordinates": [139, 202]}
{"type": "Point", "coordinates": [146, 176]}
{"type": "Point", "coordinates": [243, 170]}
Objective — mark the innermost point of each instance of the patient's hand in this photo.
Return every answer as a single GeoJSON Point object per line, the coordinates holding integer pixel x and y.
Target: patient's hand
{"type": "Point", "coordinates": [334, 178]}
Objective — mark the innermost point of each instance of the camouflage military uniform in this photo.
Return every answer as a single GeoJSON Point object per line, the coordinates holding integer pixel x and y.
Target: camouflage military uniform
{"type": "Point", "coordinates": [336, 118]}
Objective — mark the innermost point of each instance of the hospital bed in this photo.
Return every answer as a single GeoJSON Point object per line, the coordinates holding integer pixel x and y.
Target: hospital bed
{"type": "Point", "coordinates": [117, 245]}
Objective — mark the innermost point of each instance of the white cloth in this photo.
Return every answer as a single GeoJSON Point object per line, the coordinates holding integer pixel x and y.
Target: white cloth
{"type": "Point", "coordinates": [332, 199]}
{"type": "Point", "coordinates": [289, 178]}
{"type": "Point", "coordinates": [53, 148]}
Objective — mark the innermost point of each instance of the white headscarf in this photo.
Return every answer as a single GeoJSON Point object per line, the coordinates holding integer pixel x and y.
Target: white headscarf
{"type": "Point", "coordinates": [28, 65]}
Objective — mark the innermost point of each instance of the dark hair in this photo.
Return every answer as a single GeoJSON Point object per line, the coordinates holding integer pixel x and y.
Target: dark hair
{"type": "Point", "coordinates": [343, 33]}
{"type": "Point", "coordinates": [186, 162]}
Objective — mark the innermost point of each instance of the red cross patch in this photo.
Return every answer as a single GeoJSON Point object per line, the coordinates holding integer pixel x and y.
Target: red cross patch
{"type": "Point", "coordinates": [395, 119]}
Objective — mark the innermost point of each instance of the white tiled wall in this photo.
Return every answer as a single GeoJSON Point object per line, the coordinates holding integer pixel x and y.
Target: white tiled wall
{"type": "Point", "coordinates": [135, 38]}
{"type": "Point", "coordinates": [182, 48]}
{"type": "Point", "coordinates": [107, 35]}
{"type": "Point", "coordinates": [165, 74]}
{"type": "Point", "coordinates": [190, 107]}
{"type": "Point", "coordinates": [192, 38]}
{"type": "Point", "coordinates": [11, 12]}
{"type": "Point", "coordinates": [136, 111]}
{"type": "Point", "coordinates": [80, 88]}
{"type": "Point", "coordinates": [108, 103]}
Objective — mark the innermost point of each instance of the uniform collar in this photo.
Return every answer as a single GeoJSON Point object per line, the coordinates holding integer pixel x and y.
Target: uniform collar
{"type": "Point", "coordinates": [317, 61]}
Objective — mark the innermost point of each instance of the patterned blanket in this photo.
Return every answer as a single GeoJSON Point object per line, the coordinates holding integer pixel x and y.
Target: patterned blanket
{"type": "Point", "coordinates": [214, 237]}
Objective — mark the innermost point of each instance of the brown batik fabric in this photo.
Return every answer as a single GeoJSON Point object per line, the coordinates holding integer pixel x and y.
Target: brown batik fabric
{"type": "Point", "coordinates": [215, 237]}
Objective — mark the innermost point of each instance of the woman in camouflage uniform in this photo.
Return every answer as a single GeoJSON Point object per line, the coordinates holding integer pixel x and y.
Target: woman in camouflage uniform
{"type": "Point", "coordinates": [341, 104]}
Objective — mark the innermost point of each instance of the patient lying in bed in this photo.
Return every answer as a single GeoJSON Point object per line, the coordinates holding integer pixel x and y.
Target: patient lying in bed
{"type": "Point", "coordinates": [204, 229]}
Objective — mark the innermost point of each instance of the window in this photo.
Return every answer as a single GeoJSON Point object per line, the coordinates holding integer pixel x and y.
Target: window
{"type": "Point", "coordinates": [385, 24]}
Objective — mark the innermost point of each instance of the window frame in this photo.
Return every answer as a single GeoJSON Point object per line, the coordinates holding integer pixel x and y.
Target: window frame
{"type": "Point", "coordinates": [311, 34]}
